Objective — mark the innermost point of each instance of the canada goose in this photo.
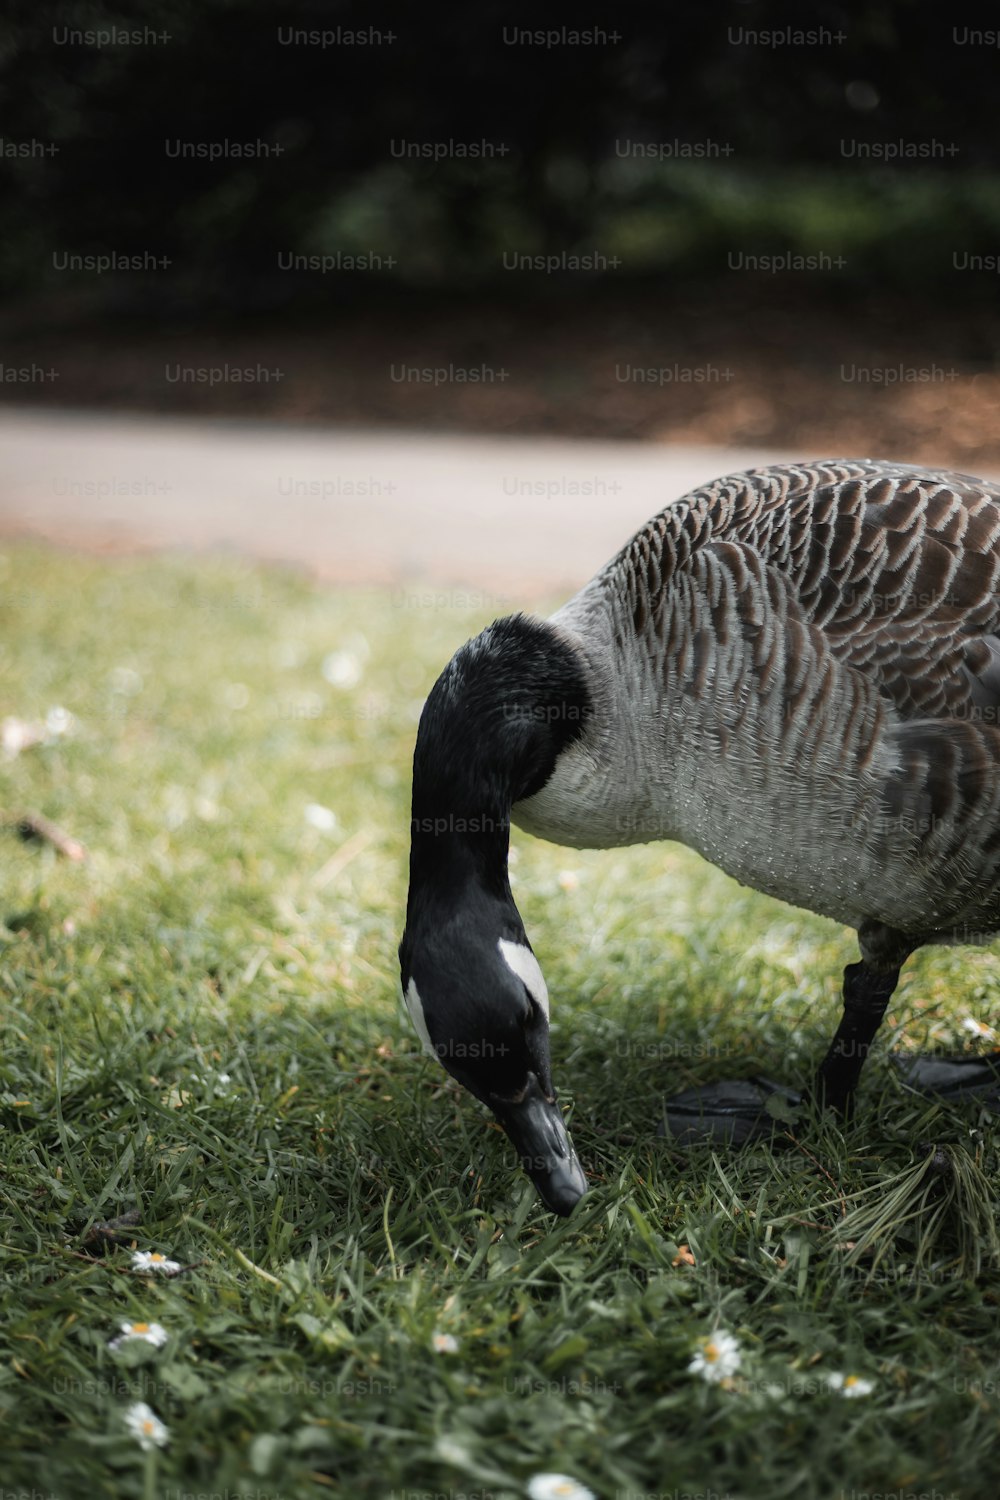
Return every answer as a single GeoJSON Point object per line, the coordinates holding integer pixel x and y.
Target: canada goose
{"type": "Point", "coordinates": [794, 671]}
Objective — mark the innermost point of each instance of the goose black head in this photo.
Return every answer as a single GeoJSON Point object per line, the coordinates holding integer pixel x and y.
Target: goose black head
{"type": "Point", "coordinates": [490, 734]}
{"type": "Point", "coordinates": [479, 1004]}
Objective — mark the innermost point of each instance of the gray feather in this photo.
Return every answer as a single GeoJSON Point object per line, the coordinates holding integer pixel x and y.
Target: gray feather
{"type": "Point", "coordinates": [796, 671]}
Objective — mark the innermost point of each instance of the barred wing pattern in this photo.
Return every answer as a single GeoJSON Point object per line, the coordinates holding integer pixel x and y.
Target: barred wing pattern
{"type": "Point", "coordinates": [818, 644]}
{"type": "Point", "coordinates": [899, 570]}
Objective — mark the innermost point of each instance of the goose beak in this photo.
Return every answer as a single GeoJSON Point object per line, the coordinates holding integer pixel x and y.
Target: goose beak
{"type": "Point", "coordinates": [535, 1126]}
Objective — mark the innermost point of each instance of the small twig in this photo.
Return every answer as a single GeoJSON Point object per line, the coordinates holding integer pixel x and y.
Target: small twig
{"type": "Point", "coordinates": [342, 858]}
{"type": "Point", "coordinates": [102, 1260]}
{"type": "Point", "coordinates": [34, 825]}
{"type": "Point", "coordinates": [96, 1260]}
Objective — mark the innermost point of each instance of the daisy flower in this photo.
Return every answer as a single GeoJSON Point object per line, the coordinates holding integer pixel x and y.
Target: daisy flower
{"type": "Point", "coordinates": [318, 816]}
{"type": "Point", "coordinates": [977, 1028]}
{"type": "Point", "coordinates": [557, 1487]}
{"type": "Point", "coordinates": [850, 1385]}
{"type": "Point", "coordinates": [717, 1358]}
{"type": "Point", "coordinates": [343, 669]}
{"type": "Point", "coordinates": [450, 1452]}
{"type": "Point", "coordinates": [145, 1333]}
{"type": "Point", "coordinates": [445, 1343]}
{"type": "Point", "coordinates": [152, 1260]}
{"type": "Point", "coordinates": [146, 1427]}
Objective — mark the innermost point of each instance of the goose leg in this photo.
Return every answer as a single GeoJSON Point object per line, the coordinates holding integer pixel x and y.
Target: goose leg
{"type": "Point", "coordinates": [748, 1109]}
{"type": "Point", "coordinates": [867, 992]}
{"type": "Point", "coordinates": [741, 1110]}
{"type": "Point", "coordinates": [868, 988]}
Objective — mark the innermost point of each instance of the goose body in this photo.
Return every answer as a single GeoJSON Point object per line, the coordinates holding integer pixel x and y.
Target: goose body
{"type": "Point", "coordinates": [796, 672]}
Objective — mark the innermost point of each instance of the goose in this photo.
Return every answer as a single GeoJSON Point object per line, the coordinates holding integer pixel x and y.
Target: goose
{"type": "Point", "coordinates": [794, 671]}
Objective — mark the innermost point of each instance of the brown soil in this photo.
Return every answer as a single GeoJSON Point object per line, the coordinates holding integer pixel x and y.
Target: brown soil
{"type": "Point", "coordinates": [774, 374]}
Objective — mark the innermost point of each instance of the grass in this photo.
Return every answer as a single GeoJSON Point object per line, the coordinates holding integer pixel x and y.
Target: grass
{"type": "Point", "coordinates": [338, 1200]}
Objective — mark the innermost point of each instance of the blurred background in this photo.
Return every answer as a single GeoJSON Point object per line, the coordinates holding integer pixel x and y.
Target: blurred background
{"type": "Point", "coordinates": [668, 242]}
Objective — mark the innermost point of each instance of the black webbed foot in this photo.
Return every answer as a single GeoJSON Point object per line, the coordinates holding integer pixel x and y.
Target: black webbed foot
{"type": "Point", "coordinates": [750, 1109]}
{"type": "Point", "coordinates": [734, 1111]}
{"type": "Point", "coordinates": [954, 1078]}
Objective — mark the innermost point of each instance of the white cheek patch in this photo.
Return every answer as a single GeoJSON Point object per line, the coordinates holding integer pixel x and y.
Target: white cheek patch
{"type": "Point", "coordinates": [415, 1006]}
{"type": "Point", "coordinates": [525, 965]}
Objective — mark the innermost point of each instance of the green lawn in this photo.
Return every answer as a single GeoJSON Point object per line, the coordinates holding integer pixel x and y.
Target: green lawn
{"type": "Point", "coordinates": [202, 1024]}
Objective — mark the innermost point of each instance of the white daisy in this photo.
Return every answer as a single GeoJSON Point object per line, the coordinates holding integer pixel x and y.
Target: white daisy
{"type": "Point", "coordinates": [978, 1028]}
{"type": "Point", "coordinates": [144, 1333]}
{"type": "Point", "coordinates": [850, 1385]}
{"type": "Point", "coordinates": [445, 1343]}
{"type": "Point", "coordinates": [152, 1260]}
{"type": "Point", "coordinates": [146, 1427]}
{"type": "Point", "coordinates": [718, 1357]}
{"type": "Point", "coordinates": [318, 816]}
{"type": "Point", "coordinates": [450, 1452]}
{"type": "Point", "coordinates": [558, 1487]}
{"type": "Point", "coordinates": [343, 669]}
{"type": "Point", "coordinates": [17, 735]}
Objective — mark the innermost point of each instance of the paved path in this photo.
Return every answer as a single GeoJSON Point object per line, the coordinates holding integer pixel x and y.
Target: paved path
{"type": "Point", "coordinates": [521, 515]}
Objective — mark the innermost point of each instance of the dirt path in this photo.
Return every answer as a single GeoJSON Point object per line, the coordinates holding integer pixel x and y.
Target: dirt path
{"type": "Point", "coordinates": [521, 515]}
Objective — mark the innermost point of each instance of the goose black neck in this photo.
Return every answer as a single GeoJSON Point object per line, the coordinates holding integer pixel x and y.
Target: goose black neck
{"type": "Point", "coordinates": [495, 722]}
